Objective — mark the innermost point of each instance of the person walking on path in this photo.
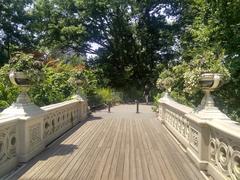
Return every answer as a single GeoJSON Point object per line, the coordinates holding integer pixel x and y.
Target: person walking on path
{"type": "Point", "coordinates": [146, 94]}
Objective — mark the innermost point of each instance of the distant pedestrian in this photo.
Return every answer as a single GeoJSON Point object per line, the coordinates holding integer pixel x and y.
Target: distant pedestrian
{"type": "Point", "coordinates": [146, 94]}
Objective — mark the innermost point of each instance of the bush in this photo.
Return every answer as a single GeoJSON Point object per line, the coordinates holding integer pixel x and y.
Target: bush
{"type": "Point", "coordinates": [132, 93]}
{"type": "Point", "coordinates": [104, 96]}
{"type": "Point", "coordinates": [8, 92]}
{"type": "Point", "coordinates": [55, 86]}
{"type": "Point", "coordinates": [156, 102]}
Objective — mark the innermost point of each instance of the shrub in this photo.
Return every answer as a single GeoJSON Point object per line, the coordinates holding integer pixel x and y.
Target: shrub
{"type": "Point", "coordinates": [156, 102]}
{"type": "Point", "coordinates": [105, 96]}
{"type": "Point", "coordinates": [132, 93]}
{"type": "Point", "coordinates": [28, 64]}
{"type": "Point", "coordinates": [8, 92]}
{"type": "Point", "coordinates": [55, 86]}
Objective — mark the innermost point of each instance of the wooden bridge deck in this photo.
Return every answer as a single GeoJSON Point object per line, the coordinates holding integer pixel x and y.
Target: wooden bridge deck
{"type": "Point", "coordinates": [118, 145]}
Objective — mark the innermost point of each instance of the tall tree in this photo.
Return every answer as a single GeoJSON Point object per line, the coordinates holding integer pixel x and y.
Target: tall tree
{"type": "Point", "coordinates": [14, 19]}
{"type": "Point", "coordinates": [214, 26]}
{"type": "Point", "coordinates": [134, 38]}
{"type": "Point", "coordinates": [58, 25]}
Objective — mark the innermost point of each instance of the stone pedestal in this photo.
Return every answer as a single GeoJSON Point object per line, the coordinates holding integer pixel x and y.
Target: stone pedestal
{"type": "Point", "coordinates": [22, 107]}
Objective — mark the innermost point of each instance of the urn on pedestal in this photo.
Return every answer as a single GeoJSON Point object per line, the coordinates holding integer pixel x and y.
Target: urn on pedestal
{"type": "Point", "coordinates": [209, 82]}
{"type": "Point", "coordinates": [25, 71]}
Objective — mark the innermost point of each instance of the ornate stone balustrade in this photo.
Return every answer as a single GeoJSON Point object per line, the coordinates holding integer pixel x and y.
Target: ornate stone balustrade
{"type": "Point", "coordinates": [213, 144]}
{"type": "Point", "coordinates": [8, 144]}
{"type": "Point", "coordinates": [224, 149]}
{"type": "Point", "coordinates": [23, 137]}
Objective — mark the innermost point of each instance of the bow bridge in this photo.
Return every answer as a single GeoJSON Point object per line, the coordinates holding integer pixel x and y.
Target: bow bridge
{"type": "Point", "coordinates": [62, 142]}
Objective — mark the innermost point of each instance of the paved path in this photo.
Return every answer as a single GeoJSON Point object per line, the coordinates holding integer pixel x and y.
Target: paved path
{"type": "Point", "coordinates": [117, 145]}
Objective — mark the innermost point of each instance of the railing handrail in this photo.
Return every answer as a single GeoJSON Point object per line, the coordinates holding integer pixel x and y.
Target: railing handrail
{"type": "Point", "coordinates": [25, 135]}
{"type": "Point", "coordinates": [59, 105]}
{"type": "Point", "coordinates": [213, 144]}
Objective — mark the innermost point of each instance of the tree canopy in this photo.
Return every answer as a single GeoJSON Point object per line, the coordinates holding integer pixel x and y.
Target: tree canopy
{"type": "Point", "coordinates": [128, 43]}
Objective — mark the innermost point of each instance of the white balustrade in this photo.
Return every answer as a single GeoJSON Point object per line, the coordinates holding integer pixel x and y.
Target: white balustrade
{"type": "Point", "coordinates": [213, 144]}
{"type": "Point", "coordinates": [23, 137]}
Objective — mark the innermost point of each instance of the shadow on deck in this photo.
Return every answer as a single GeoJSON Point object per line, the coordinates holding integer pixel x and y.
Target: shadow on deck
{"type": "Point", "coordinates": [117, 145]}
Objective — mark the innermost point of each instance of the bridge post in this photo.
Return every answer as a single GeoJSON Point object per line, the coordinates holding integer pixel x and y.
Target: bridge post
{"type": "Point", "coordinates": [109, 107]}
{"type": "Point", "coordinates": [137, 103]}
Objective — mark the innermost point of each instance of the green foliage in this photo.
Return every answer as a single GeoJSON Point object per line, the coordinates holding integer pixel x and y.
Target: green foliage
{"type": "Point", "coordinates": [3, 57]}
{"type": "Point", "coordinates": [156, 102]}
{"type": "Point", "coordinates": [132, 93]}
{"type": "Point", "coordinates": [207, 62]}
{"type": "Point", "coordinates": [165, 81]}
{"type": "Point", "coordinates": [105, 96]}
{"type": "Point", "coordinates": [136, 40]}
{"type": "Point", "coordinates": [206, 35]}
{"type": "Point", "coordinates": [14, 32]}
{"type": "Point", "coordinates": [177, 85]}
{"type": "Point", "coordinates": [108, 95]}
{"type": "Point", "coordinates": [28, 64]}
{"type": "Point", "coordinates": [59, 25]}
{"type": "Point", "coordinates": [8, 92]}
{"type": "Point", "coordinates": [134, 37]}
{"type": "Point", "coordinates": [54, 88]}
{"type": "Point", "coordinates": [23, 62]}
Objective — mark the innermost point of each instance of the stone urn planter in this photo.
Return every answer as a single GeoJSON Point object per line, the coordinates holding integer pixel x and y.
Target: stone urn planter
{"type": "Point", "coordinates": [23, 105]}
{"type": "Point", "coordinates": [207, 110]}
{"type": "Point", "coordinates": [209, 82]}
{"type": "Point", "coordinates": [21, 80]}
{"type": "Point", "coordinates": [25, 71]}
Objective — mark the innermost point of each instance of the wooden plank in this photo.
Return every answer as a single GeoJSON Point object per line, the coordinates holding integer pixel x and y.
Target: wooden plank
{"type": "Point", "coordinates": [166, 151]}
{"type": "Point", "coordinates": [133, 173]}
{"type": "Point", "coordinates": [143, 152]}
{"type": "Point", "coordinates": [102, 154]}
{"type": "Point", "coordinates": [171, 151]}
{"type": "Point", "coordinates": [159, 154]}
{"type": "Point", "coordinates": [57, 162]}
{"type": "Point", "coordinates": [64, 164]}
{"type": "Point", "coordinates": [155, 169]}
{"type": "Point", "coordinates": [106, 170]}
{"type": "Point", "coordinates": [139, 169]}
{"type": "Point", "coordinates": [95, 151]}
{"type": "Point", "coordinates": [113, 169]}
{"type": "Point", "coordinates": [184, 164]}
{"type": "Point", "coordinates": [121, 157]}
{"type": "Point", "coordinates": [106, 145]}
{"type": "Point", "coordinates": [82, 153]}
{"type": "Point", "coordinates": [40, 163]}
{"type": "Point", "coordinates": [126, 146]}
{"type": "Point", "coordinates": [127, 153]}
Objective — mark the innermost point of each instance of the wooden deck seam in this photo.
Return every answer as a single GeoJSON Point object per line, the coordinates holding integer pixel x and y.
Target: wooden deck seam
{"type": "Point", "coordinates": [75, 142]}
{"type": "Point", "coordinates": [38, 167]}
{"type": "Point", "coordinates": [93, 153]}
{"type": "Point", "coordinates": [103, 148]}
{"type": "Point", "coordinates": [183, 158]}
{"type": "Point", "coordinates": [90, 142]}
{"type": "Point", "coordinates": [115, 146]}
{"type": "Point", "coordinates": [106, 168]}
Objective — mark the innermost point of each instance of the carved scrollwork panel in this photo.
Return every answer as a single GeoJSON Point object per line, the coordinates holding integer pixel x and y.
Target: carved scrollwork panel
{"type": "Point", "coordinates": [60, 119]}
{"type": "Point", "coordinates": [234, 165]}
{"type": "Point", "coordinates": [8, 142]}
{"type": "Point", "coordinates": [194, 139]}
{"type": "Point", "coordinates": [35, 135]}
{"type": "Point", "coordinates": [224, 154]}
{"type": "Point", "coordinates": [178, 122]}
